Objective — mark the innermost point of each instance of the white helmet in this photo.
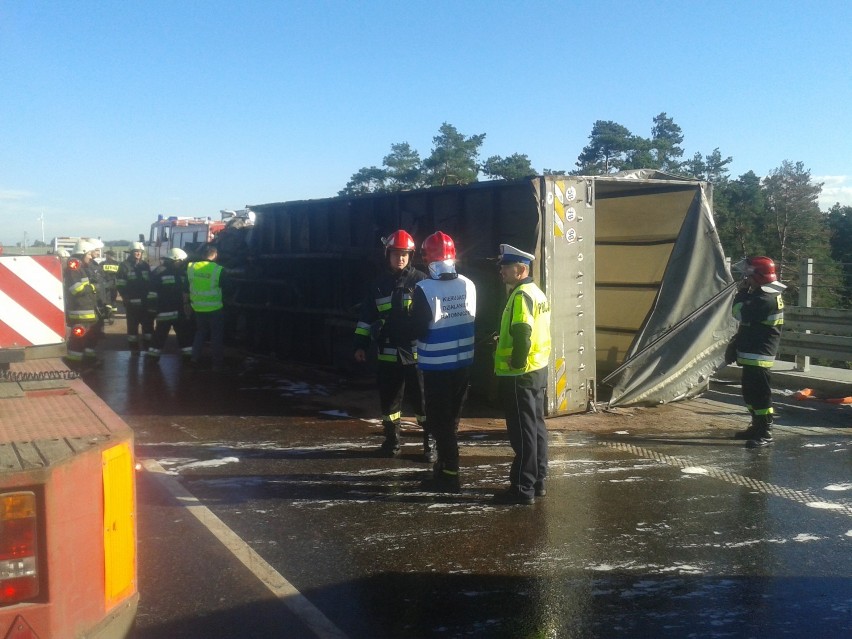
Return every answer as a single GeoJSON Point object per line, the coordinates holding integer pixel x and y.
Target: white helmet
{"type": "Point", "coordinates": [84, 246]}
{"type": "Point", "coordinates": [63, 253]}
{"type": "Point", "coordinates": [176, 254]}
{"type": "Point", "coordinates": [137, 246]}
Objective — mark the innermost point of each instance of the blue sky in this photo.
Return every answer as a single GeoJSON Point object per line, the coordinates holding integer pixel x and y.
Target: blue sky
{"type": "Point", "coordinates": [114, 112]}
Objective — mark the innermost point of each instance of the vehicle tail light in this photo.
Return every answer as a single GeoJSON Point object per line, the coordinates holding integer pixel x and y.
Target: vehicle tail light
{"type": "Point", "coordinates": [18, 547]}
{"type": "Point", "coordinates": [78, 331]}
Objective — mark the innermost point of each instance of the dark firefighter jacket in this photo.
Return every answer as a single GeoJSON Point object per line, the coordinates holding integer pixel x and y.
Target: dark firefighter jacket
{"type": "Point", "coordinates": [109, 273]}
{"type": "Point", "coordinates": [761, 316]}
{"type": "Point", "coordinates": [81, 298]}
{"type": "Point", "coordinates": [168, 288]}
{"type": "Point", "coordinates": [132, 281]}
{"type": "Point", "coordinates": [386, 307]}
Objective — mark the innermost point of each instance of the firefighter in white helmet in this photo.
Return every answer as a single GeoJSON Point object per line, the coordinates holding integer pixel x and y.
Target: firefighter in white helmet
{"type": "Point", "coordinates": [81, 306]}
{"type": "Point", "coordinates": [170, 300]}
{"type": "Point", "coordinates": [133, 284]}
{"type": "Point", "coordinates": [384, 307]}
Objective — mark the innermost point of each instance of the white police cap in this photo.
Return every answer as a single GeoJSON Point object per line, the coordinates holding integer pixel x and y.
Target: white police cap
{"type": "Point", "coordinates": [509, 254]}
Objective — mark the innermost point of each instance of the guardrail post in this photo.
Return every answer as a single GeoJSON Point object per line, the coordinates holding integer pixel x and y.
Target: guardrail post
{"type": "Point", "coordinates": [806, 283]}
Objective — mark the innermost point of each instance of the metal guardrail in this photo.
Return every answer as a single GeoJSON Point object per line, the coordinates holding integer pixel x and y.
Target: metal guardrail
{"type": "Point", "coordinates": [817, 332]}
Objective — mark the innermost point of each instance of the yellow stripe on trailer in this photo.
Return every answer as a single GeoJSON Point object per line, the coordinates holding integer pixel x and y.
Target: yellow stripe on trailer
{"type": "Point", "coordinates": [119, 524]}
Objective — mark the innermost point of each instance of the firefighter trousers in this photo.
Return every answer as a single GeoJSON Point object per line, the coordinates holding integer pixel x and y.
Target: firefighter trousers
{"type": "Point", "coordinates": [399, 383]}
{"type": "Point", "coordinates": [137, 316]}
{"type": "Point", "coordinates": [183, 331]}
{"type": "Point", "coordinates": [757, 390]}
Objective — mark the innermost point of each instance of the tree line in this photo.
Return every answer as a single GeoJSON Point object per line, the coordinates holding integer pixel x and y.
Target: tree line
{"type": "Point", "coordinates": [777, 215]}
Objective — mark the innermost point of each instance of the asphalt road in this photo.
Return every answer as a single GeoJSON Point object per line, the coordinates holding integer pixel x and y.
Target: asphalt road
{"type": "Point", "coordinates": [264, 513]}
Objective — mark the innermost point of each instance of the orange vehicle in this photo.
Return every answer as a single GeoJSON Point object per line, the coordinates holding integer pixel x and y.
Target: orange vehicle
{"type": "Point", "coordinates": [68, 566]}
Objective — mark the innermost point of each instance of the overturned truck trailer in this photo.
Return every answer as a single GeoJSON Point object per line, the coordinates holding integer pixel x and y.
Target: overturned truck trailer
{"type": "Point", "coordinates": [631, 264]}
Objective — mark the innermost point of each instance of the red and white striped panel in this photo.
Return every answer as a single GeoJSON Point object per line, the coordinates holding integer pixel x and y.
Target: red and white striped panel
{"type": "Point", "coordinates": [32, 306]}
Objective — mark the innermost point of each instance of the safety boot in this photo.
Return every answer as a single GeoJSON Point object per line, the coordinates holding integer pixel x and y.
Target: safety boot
{"type": "Point", "coordinates": [391, 446]}
{"type": "Point", "coordinates": [763, 434]}
{"type": "Point", "coordinates": [445, 479]}
{"type": "Point", "coordinates": [748, 433]}
{"type": "Point", "coordinates": [752, 430]}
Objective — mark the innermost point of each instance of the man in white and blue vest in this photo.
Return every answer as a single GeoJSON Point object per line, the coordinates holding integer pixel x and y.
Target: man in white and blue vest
{"type": "Point", "coordinates": [442, 319]}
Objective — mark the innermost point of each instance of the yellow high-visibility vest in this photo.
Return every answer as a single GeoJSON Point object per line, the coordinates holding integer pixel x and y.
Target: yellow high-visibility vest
{"type": "Point", "coordinates": [205, 294]}
{"type": "Point", "coordinates": [517, 311]}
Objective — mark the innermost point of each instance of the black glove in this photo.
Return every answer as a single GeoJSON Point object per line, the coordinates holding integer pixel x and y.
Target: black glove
{"type": "Point", "coordinates": [731, 351]}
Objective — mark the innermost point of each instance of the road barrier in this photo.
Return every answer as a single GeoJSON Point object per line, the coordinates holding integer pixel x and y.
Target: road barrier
{"type": "Point", "coordinates": [815, 332]}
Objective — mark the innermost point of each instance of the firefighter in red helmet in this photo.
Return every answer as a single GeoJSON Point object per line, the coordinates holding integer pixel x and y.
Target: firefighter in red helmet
{"type": "Point", "coordinates": [442, 319]}
{"type": "Point", "coordinates": [383, 313]}
{"type": "Point", "coordinates": [759, 308]}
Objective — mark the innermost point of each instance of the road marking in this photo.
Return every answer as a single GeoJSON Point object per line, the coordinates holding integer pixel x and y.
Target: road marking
{"type": "Point", "coordinates": [310, 615]}
{"type": "Point", "coordinates": [802, 497]}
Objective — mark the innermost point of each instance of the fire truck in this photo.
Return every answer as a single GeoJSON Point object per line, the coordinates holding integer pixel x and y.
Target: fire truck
{"type": "Point", "coordinates": [189, 233]}
{"type": "Point", "coordinates": [68, 566]}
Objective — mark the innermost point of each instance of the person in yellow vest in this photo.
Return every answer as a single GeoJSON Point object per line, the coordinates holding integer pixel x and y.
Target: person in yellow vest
{"type": "Point", "coordinates": [204, 280]}
{"type": "Point", "coordinates": [520, 364]}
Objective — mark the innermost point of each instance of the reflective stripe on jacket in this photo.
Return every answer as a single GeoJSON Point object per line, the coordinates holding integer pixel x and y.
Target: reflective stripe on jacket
{"type": "Point", "coordinates": [448, 344]}
{"type": "Point", "coordinates": [385, 309]}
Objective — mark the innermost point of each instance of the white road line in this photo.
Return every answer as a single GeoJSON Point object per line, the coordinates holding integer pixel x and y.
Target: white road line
{"type": "Point", "coordinates": [310, 615]}
{"type": "Point", "coordinates": [802, 497]}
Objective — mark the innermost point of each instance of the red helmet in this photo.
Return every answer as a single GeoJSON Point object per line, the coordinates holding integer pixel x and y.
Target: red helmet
{"type": "Point", "coordinates": [399, 240]}
{"type": "Point", "coordinates": [438, 247]}
{"type": "Point", "coordinates": [761, 269]}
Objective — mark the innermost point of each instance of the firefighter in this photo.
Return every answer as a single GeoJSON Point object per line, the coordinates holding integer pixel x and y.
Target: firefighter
{"type": "Point", "coordinates": [442, 319]}
{"type": "Point", "coordinates": [81, 302]}
{"type": "Point", "coordinates": [171, 302]}
{"type": "Point", "coordinates": [386, 306]}
{"type": "Point", "coordinates": [109, 273]}
{"type": "Point", "coordinates": [96, 277]}
{"type": "Point", "coordinates": [520, 365]}
{"type": "Point", "coordinates": [759, 308]}
{"type": "Point", "coordinates": [133, 284]}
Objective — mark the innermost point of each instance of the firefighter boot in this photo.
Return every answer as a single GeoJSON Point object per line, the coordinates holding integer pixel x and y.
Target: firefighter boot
{"type": "Point", "coordinates": [763, 436]}
{"type": "Point", "coordinates": [430, 450]}
{"type": "Point", "coordinates": [445, 478]}
{"type": "Point", "coordinates": [391, 446]}
{"type": "Point", "coordinates": [749, 432]}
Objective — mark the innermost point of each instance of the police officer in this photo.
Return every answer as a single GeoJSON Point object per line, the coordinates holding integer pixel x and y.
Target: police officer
{"type": "Point", "coordinates": [170, 300]}
{"type": "Point", "coordinates": [520, 364]}
{"type": "Point", "coordinates": [133, 284]}
{"type": "Point", "coordinates": [204, 280]}
{"type": "Point", "coordinates": [386, 306]}
{"type": "Point", "coordinates": [442, 319]}
{"type": "Point", "coordinates": [81, 301]}
{"type": "Point", "coordinates": [759, 308]}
